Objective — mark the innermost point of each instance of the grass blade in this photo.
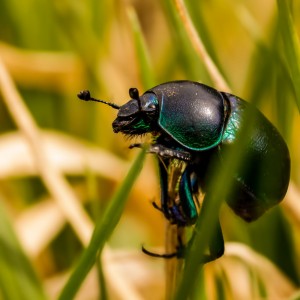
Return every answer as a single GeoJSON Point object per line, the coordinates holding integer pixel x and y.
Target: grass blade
{"type": "Point", "coordinates": [102, 231]}
{"type": "Point", "coordinates": [220, 184]}
{"type": "Point", "coordinates": [17, 277]}
{"type": "Point", "coordinates": [291, 46]}
{"type": "Point", "coordinates": [144, 63]}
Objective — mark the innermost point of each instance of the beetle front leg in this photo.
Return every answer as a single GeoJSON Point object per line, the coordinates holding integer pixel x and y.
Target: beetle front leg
{"type": "Point", "coordinates": [136, 145]}
{"type": "Point", "coordinates": [186, 196]}
{"type": "Point", "coordinates": [163, 165]}
{"type": "Point", "coordinates": [171, 211]}
{"type": "Point", "coordinates": [166, 152]}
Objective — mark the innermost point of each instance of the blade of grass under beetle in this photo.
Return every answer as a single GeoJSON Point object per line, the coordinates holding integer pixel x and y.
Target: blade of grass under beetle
{"type": "Point", "coordinates": [219, 187]}
{"type": "Point", "coordinates": [144, 63]}
{"type": "Point", "coordinates": [103, 229]}
{"type": "Point", "coordinates": [17, 277]}
{"type": "Point", "coordinates": [290, 45]}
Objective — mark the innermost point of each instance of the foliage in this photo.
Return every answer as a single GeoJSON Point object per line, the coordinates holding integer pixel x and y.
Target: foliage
{"type": "Point", "coordinates": [60, 162]}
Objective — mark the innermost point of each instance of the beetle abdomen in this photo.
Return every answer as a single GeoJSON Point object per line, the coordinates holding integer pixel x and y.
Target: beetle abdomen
{"type": "Point", "coordinates": [263, 178]}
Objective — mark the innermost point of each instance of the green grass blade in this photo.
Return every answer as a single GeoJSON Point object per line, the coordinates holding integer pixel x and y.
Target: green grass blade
{"type": "Point", "coordinates": [144, 63]}
{"type": "Point", "coordinates": [291, 46]}
{"type": "Point", "coordinates": [17, 277]}
{"type": "Point", "coordinates": [104, 228]}
{"type": "Point", "coordinates": [101, 280]}
{"type": "Point", "coordinates": [221, 181]}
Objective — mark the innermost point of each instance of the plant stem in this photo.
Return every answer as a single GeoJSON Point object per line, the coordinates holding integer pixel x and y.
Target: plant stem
{"type": "Point", "coordinates": [199, 47]}
{"type": "Point", "coordinates": [174, 233]}
{"type": "Point", "coordinates": [173, 266]}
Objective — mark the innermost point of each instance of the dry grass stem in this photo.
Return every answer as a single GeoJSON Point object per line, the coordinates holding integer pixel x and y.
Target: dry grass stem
{"type": "Point", "coordinates": [58, 71]}
{"type": "Point", "coordinates": [68, 155]}
{"type": "Point", "coordinates": [173, 266]}
{"type": "Point", "coordinates": [291, 203]}
{"type": "Point", "coordinates": [54, 180]}
{"type": "Point", "coordinates": [197, 43]}
{"type": "Point", "coordinates": [277, 285]}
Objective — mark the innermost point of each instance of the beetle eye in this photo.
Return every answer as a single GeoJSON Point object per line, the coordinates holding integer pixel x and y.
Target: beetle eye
{"type": "Point", "coordinates": [149, 102]}
{"type": "Point", "coordinates": [150, 105]}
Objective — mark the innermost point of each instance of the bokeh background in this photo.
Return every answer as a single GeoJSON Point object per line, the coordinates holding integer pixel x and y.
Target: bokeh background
{"type": "Point", "coordinates": [60, 162]}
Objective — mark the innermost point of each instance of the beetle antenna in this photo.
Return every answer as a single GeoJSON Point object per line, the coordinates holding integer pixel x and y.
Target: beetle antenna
{"type": "Point", "coordinates": [86, 96]}
{"type": "Point", "coordinates": [134, 94]}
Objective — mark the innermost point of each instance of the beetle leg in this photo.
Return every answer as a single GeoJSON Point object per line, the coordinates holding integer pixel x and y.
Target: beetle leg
{"type": "Point", "coordinates": [165, 255]}
{"type": "Point", "coordinates": [156, 206]}
{"type": "Point", "coordinates": [171, 213]}
{"type": "Point", "coordinates": [166, 152]}
{"type": "Point", "coordinates": [194, 183]}
{"type": "Point", "coordinates": [179, 253]}
{"type": "Point", "coordinates": [186, 196]}
{"type": "Point", "coordinates": [177, 217]}
{"type": "Point", "coordinates": [164, 188]}
{"type": "Point", "coordinates": [135, 145]}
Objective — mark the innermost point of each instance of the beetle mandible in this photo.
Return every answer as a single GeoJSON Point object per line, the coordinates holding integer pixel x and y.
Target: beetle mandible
{"type": "Point", "coordinates": [195, 123]}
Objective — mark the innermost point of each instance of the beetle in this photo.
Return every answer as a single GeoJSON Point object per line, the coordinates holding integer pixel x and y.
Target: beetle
{"type": "Point", "coordinates": [194, 123]}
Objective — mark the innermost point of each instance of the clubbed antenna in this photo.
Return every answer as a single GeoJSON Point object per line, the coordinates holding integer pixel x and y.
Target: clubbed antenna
{"type": "Point", "coordinates": [86, 96]}
{"type": "Point", "coordinates": [134, 94]}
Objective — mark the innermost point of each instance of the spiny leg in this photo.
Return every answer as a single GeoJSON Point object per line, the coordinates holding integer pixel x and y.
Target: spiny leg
{"type": "Point", "coordinates": [186, 196]}
{"type": "Point", "coordinates": [164, 152]}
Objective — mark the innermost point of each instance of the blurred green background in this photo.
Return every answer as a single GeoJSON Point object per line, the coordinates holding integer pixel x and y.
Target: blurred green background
{"type": "Point", "coordinates": [54, 49]}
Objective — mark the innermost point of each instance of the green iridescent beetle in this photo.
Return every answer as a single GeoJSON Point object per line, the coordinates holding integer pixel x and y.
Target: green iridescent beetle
{"type": "Point", "coordinates": [196, 123]}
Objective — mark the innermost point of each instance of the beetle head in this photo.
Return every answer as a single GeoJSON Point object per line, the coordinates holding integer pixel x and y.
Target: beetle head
{"type": "Point", "coordinates": [138, 115]}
